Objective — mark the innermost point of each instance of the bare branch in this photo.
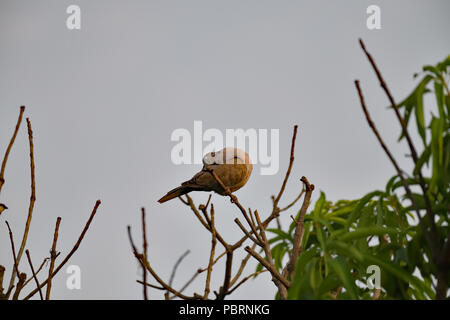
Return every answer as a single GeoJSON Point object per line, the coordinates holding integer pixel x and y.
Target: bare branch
{"type": "Point", "coordinates": [434, 234]}
{"type": "Point", "coordinates": [147, 265]}
{"type": "Point", "coordinates": [242, 266]}
{"type": "Point", "coordinates": [144, 245]}
{"type": "Point", "coordinates": [37, 271]}
{"type": "Point", "coordinates": [34, 274]}
{"type": "Point", "coordinates": [11, 239]}
{"type": "Point", "coordinates": [8, 149]}
{"type": "Point", "coordinates": [288, 172]}
{"type": "Point", "coordinates": [32, 201]}
{"type": "Point", "coordinates": [2, 273]}
{"type": "Point", "coordinates": [276, 275]}
{"type": "Point", "coordinates": [175, 267]}
{"type": "Point", "coordinates": [150, 285]}
{"type": "Point", "coordinates": [52, 259]}
{"type": "Point", "coordinates": [22, 278]}
{"type": "Point", "coordinates": [293, 202]}
{"type": "Point", "coordinates": [211, 255]}
{"type": "Point", "coordinates": [248, 234]}
{"type": "Point", "coordinates": [74, 249]}
{"type": "Point", "coordinates": [254, 274]}
{"type": "Point", "coordinates": [289, 269]}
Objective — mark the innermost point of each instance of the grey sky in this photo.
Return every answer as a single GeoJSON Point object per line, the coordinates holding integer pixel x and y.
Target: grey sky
{"type": "Point", "coordinates": [104, 100]}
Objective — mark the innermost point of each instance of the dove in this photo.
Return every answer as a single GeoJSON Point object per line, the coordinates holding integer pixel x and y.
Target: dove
{"type": "Point", "coordinates": [231, 165]}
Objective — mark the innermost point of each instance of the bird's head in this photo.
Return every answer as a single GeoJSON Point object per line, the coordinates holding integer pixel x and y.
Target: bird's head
{"type": "Point", "coordinates": [228, 155]}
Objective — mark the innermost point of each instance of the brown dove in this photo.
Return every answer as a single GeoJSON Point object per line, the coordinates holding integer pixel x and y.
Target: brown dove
{"type": "Point", "coordinates": [231, 165]}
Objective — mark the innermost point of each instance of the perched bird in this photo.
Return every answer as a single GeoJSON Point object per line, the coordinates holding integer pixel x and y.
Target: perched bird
{"type": "Point", "coordinates": [231, 165]}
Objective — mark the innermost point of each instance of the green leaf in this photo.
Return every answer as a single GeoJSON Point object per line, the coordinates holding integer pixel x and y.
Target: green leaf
{"type": "Point", "coordinates": [380, 212]}
{"type": "Point", "coordinates": [259, 268]}
{"type": "Point", "coordinates": [390, 184]}
{"type": "Point", "coordinates": [320, 235]}
{"type": "Point", "coordinates": [420, 120]}
{"type": "Point", "coordinates": [399, 273]}
{"type": "Point", "coordinates": [330, 282]}
{"type": "Point", "coordinates": [439, 93]}
{"type": "Point", "coordinates": [278, 252]}
{"type": "Point", "coordinates": [324, 222]}
{"type": "Point", "coordinates": [366, 232]}
{"type": "Point", "coordinates": [362, 202]}
{"type": "Point", "coordinates": [424, 158]}
{"type": "Point", "coordinates": [282, 234]}
{"type": "Point", "coordinates": [437, 146]}
{"type": "Point", "coordinates": [307, 232]}
{"type": "Point", "coordinates": [341, 211]}
{"type": "Point", "coordinates": [314, 276]}
{"type": "Point", "coordinates": [345, 250]}
{"type": "Point", "coordinates": [338, 220]}
{"type": "Point", "coordinates": [319, 205]}
{"type": "Point", "coordinates": [340, 267]}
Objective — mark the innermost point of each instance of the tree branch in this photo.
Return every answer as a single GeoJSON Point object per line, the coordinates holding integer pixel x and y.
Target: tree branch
{"type": "Point", "coordinates": [74, 249]}
{"type": "Point", "coordinates": [32, 201]}
{"type": "Point", "coordinates": [34, 274]}
{"type": "Point", "coordinates": [52, 258]}
{"type": "Point", "coordinates": [8, 149]}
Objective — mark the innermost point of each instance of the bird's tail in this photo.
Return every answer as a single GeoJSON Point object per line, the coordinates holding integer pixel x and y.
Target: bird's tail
{"type": "Point", "coordinates": [174, 193]}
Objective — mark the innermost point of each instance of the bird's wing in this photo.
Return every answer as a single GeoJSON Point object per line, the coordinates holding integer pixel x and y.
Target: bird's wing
{"type": "Point", "coordinates": [234, 176]}
{"type": "Point", "coordinates": [203, 181]}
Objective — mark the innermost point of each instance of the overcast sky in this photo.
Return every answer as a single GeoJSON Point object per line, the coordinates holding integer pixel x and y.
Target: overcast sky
{"type": "Point", "coordinates": [105, 99]}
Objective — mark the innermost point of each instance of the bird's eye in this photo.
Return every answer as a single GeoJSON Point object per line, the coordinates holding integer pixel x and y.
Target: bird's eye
{"type": "Point", "coordinates": [213, 154]}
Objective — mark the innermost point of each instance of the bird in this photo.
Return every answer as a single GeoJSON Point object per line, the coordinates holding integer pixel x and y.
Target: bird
{"type": "Point", "coordinates": [231, 165]}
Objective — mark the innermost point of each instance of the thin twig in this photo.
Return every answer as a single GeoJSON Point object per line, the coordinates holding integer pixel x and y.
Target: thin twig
{"type": "Point", "coordinates": [187, 283]}
{"type": "Point", "coordinates": [8, 149]}
{"type": "Point", "coordinates": [19, 286]}
{"type": "Point", "coordinates": [248, 234]}
{"type": "Point", "coordinates": [288, 172]}
{"type": "Point", "coordinates": [268, 266]}
{"type": "Point", "coordinates": [206, 223]}
{"type": "Point", "coordinates": [211, 255]}
{"type": "Point", "coordinates": [391, 100]}
{"type": "Point", "coordinates": [245, 279]}
{"type": "Point", "coordinates": [150, 285]}
{"type": "Point", "coordinates": [144, 245]}
{"type": "Point", "coordinates": [37, 271]}
{"type": "Point", "coordinates": [74, 249]}
{"type": "Point", "coordinates": [32, 200]}
{"type": "Point", "coordinates": [282, 288]}
{"type": "Point", "coordinates": [175, 267]}
{"type": "Point", "coordinates": [289, 269]}
{"type": "Point", "coordinates": [189, 202]}
{"type": "Point", "coordinates": [242, 266]}
{"type": "Point", "coordinates": [227, 279]}
{"type": "Point", "coordinates": [34, 274]}
{"type": "Point", "coordinates": [293, 202]}
{"type": "Point", "coordinates": [397, 168]}
{"type": "Point", "coordinates": [11, 238]}
{"type": "Point", "coordinates": [2, 273]}
{"type": "Point", "coordinates": [153, 273]}
{"type": "Point", "coordinates": [434, 234]}
{"type": "Point", "coordinates": [52, 258]}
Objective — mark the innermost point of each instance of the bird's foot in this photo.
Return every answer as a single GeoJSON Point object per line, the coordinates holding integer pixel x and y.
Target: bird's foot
{"type": "Point", "coordinates": [233, 198]}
